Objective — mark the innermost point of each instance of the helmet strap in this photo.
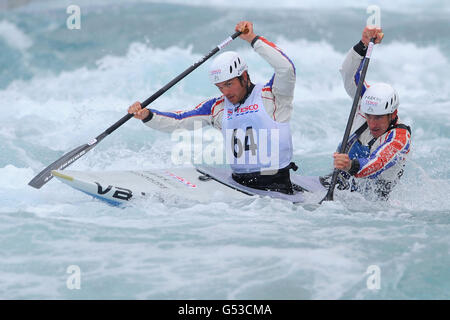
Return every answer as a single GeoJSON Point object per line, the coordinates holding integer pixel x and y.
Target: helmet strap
{"type": "Point", "coordinates": [248, 87]}
{"type": "Point", "coordinates": [394, 120]}
{"type": "Point", "coordinates": [394, 114]}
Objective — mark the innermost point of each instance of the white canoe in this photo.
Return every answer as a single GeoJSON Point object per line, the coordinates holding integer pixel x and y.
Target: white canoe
{"type": "Point", "coordinates": [202, 184]}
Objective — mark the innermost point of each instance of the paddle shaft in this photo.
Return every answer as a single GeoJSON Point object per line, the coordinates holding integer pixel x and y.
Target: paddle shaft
{"type": "Point", "coordinates": [343, 146]}
{"type": "Point", "coordinates": [70, 157]}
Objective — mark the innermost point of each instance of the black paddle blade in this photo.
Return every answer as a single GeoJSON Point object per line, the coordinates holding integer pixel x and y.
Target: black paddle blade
{"type": "Point", "coordinates": [330, 193]}
{"type": "Point", "coordinates": [66, 160]}
{"type": "Point", "coordinates": [328, 196]}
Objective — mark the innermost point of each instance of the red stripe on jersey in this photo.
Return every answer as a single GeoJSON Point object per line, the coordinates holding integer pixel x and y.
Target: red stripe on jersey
{"type": "Point", "coordinates": [268, 42]}
{"type": "Point", "coordinates": [219, 101]}
{"type": "Point", "coordinates": [387, 153]}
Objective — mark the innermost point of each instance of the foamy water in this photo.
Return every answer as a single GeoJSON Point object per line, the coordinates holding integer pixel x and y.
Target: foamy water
{"type": "Point", "coordinates": [59, 88]}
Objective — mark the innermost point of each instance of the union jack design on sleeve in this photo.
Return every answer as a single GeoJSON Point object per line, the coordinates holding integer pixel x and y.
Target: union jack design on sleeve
{"type": "Point", "coordinates": [390, 152]}
{"type": "Point", "coordinates": [202, 109]}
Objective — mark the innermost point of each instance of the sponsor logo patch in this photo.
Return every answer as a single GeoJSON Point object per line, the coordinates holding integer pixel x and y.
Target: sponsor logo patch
{"type": "Point", "coordinates": [372, 103]}
{"type": "Point", "coordinates": [229, 114]}
{"type": "Point", "coordinates": [248, 109]}
{"type": "Point", "coordinates": [372, 98]}
{"type": "Point", "coordinates": [181, 179]}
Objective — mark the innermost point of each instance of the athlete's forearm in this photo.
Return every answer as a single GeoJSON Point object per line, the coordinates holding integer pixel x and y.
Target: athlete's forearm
{"type": "Point", "coordinates": [350, 76]}
{"type": "Point", "coordinates": [202, 115]}
{"type": "Point", "coordinates": [278, 93]}
{"type": "Point", "coordinates": [284, 81]}
{"type": "Point", "coordinates": [349, 68]}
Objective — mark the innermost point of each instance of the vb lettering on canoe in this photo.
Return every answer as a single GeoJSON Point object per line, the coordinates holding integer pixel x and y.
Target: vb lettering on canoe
{"type": "Point", "coordinates": [117, 192]}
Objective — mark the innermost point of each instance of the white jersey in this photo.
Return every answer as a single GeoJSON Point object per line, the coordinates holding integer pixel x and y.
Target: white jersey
{"type": "Point", "coordinates": [253, 141]}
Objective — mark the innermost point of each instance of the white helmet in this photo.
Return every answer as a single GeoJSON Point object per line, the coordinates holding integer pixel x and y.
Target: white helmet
{"type": "Point", "coordinates": [379, 99]}
{"type": "Point", "coordinates": [226, 66]}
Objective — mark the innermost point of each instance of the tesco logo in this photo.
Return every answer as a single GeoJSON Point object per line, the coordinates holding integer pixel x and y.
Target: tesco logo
{"type": "Point", "coordinates": [250, 108]}
{"type": "Point", "coordinates": [373, 103]}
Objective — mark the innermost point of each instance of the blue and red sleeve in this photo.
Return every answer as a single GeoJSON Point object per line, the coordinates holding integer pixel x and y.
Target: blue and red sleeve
{"type": "Point", "coordinates": [203, 109]}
